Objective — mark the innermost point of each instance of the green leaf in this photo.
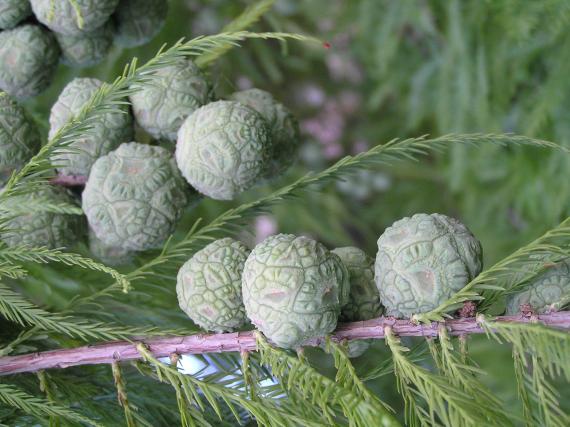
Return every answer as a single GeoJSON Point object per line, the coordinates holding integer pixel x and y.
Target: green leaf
{"type": "Point", "coordinates": [43, 255]}
{"type": "Point", "coordinates": [246, 19]}
{"type": "Point", "coordinates": [266, 413]}
{"type": "Point", "coordinates": [319, 390]}
{"type": "Point", "coordinates": [16, 309]}
{"type": "Point", "coordinates": [39, 408]}
{"type": "Point", "coordinates": [346, 375]}
{"type": "Point", "coordinates": [464, 377]}
{"type": "Point", "coordinates": [446, 403]}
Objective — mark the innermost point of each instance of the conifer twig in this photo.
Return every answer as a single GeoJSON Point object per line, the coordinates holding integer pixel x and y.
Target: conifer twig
{"type": "Point", "coordinates": [122, 394]}
{"type": "Point", "coordinates": [246, 19]}
{"type": "Point", "coordinates": [120, 351]}
{"type": "Point", "coordinates": [69, 180]}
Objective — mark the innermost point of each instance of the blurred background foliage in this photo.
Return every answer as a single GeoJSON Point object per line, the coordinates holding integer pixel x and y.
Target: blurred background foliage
{"type": "Point", "coordinates": [395, 69]}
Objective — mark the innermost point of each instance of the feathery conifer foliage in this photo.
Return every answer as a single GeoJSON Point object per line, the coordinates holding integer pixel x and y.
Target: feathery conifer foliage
{"type": "Point", "coordinates": [420, 381]}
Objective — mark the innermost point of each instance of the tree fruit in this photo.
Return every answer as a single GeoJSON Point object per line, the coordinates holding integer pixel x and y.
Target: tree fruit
{"type": "Point", "coordinates": [38, 227]}
{"type": "Point", "coordinates": [223, 149]}
{"type": "Point", "coordinates": [107, 131]}
{"type": "Point", "coordinates": [545, 291]}
{"type": "Point", "coordinates": [61, 16]}
{"type": "Point", "coordinates": [29, 55]}
{"type": "Point", "coordinates": [109, 255]}
{"type": "Point", "coordinates": [138, 21]}
{"type": "Point", "coordinates": [424, 260]}
{"type": "Point", "coordinates": [364, 300]}
{"type": "Point", "coordinates": [86, 49]}
{"type": "Point", "coordinates": [134, 197]}
{"type": "Point", "coordinates": [12, 12]}
{"type": "Point", "coordinates": [209, 286]}
{"type": "Point", "coordinates": [173, 93]}
{"type": "Point", "coordinates": [19, 137]}
{"type": "Point", "coordinates": [283, 128]}
{"type": "Point", "coordinates": [292, 289]}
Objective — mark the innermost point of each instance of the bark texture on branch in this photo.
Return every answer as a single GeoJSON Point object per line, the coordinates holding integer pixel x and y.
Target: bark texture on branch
{"type": "Point", "coordinates": [120, 351]}
{"type": "Point", "coordinates": [69, 180]}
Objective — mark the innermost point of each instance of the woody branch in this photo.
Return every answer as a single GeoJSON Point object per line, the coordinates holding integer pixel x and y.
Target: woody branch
{"type": "Point", "coordinates": [122, 351]}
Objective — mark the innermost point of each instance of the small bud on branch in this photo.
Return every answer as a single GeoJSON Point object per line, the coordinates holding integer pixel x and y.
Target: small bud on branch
{"type": "Point", "coordinates": [121, 351]}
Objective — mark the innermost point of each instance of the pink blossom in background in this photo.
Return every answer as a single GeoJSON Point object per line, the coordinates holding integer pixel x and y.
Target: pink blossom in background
{"type": "Point", "coordinates": [325, 25]}
{"type": "Point", "coordinates": [360, 146]}
{"type": "Point", "coordinates": [265, 226]}
{"type": "Point", "coordinates": [310, 95]}
{"type": "Point", "coordinates": [243, 83]}
{"type": "Point", "coordinates": [333, 151]}
{"type": "Point", "coordinates": [350, 101]}
{"type": "Point", "coordinates": [327, 127]}
{"type": "Point", "coordinates": [324, 132]}
{"type": "Point", "coordinates": [342, 67]}
{"type": "Point", "coordinates": [342, 40]}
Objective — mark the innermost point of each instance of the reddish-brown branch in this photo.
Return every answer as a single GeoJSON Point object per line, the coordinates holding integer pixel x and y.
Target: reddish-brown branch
{"type": "Point", "coordinates": [119, 351]}
{"type": "Point", "coordinates": [69, 180]}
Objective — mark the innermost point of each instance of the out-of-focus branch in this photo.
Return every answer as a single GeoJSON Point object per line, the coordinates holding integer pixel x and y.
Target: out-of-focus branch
{"type": "Point", "coordinates": [69, 180]}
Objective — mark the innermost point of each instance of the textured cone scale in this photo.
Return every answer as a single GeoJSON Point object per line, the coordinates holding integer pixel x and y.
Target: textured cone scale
{"type": "Point", "coordinates": [283, 128]}
{"type": "Point", "coordinates": [19, 137]}
{"type": "Point", "coordinates": [86, 49]}
{"type": "Point", "coordinates": [134, 197]}
{"type": "Point", "coordinates": [12, 12]}
{"type": "Point", "coordinates": [28, 58]}
{"type": "Point", "coordinates": [110, 255]}
{"type": "Point", "coordinates": [40, 228]}
{"type": "Point", "coordinates": [223, 149]}
{"type": "Point", "coordinates": [173, 93]}
{"type": "Point", "coordinates": [209, 286]}
{"type": "Point", "coordinates": [364, 300]}
{"type": "Point", "coordinates": [292, 289]}
{"type": "Point", "coordinates": [544, 291]}
{"type": "Point", "coordinates": [64, 20]}
{"type": "Point", "coordinates": [107, 132]}
{"type": "Point", "coordinates": [138, 21]}
{"type": "Point", "coordinates": [422, 261]}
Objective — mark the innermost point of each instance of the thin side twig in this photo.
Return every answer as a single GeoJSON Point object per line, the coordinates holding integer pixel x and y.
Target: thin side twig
{"type": "Point", "coordinates": [69, 180]}
{"type": "Point", "coordinates": [121, 351]}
